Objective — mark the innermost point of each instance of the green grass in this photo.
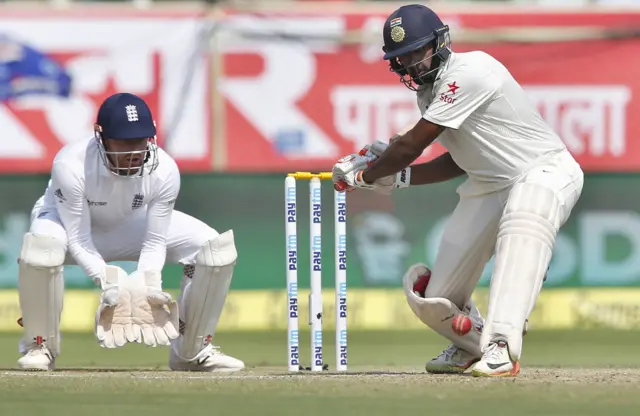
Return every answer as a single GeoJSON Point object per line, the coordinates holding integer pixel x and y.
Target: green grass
{"type": "Point", "coordinates": [591, 348]}
{"type": "Point", "coordinates": [564, 373]}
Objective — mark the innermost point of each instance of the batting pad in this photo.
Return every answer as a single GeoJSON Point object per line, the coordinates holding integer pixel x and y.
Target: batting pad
{"type": "Point", "coordinates": [204, 295]}
{"type": "Point", "coordinates": [438, 313]}
{"type": "Point", "coordinates": [40, 290]}
{"type": "Point", "coordinates": [526, 236]}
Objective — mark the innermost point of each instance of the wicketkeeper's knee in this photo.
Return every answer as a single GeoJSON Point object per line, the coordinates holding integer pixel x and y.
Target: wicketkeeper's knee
{"type": "Point", "coordinates": [42, 250]}
{"type": "Point", "coordinates": [218, 251]}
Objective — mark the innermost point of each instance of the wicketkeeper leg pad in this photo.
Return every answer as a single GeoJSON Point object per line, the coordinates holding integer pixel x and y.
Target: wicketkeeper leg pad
{"type": "Point", "coordinates": [438, 313]}
{"type": "Point", "coordinates": [40, 290]}
{"type": "Point", "coordinates": [204, 294]}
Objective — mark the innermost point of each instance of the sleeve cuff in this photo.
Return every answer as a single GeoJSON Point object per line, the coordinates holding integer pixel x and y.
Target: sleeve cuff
{"type": "Point", "coordinates": [447, 124]}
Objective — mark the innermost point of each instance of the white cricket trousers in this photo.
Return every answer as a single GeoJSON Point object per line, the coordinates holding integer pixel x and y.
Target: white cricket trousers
{"type": "Point", "coordinates": [469, 238]}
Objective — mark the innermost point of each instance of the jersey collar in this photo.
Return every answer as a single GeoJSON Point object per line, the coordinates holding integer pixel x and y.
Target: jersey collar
{"type": "Point", "coordinates": [444, 67]}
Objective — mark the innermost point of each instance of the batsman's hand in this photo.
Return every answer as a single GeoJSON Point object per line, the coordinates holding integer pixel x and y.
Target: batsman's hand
{"type": "Point", "coordinates": [376, 148]}
{"type": "Point", "coordinates": [142, 312]}
{"type": "Point", "coordinates": [347, 173]}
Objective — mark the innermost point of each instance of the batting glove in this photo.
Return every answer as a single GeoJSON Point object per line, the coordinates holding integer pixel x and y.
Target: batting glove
{"type": "Point", "coordinates": [348, 167]}
{"type": "Point", "coordinates": [347, 173]}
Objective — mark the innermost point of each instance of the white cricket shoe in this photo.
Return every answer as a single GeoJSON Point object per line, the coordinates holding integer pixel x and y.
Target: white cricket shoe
{"type": "Point", "coordinates": [453, 360]}
{"type": "Point", "coordinates": [496, 362]}
{"type": "Point", "coordinates": [37, 358]}
{"type": "Point", "coordinates": [209, 359]}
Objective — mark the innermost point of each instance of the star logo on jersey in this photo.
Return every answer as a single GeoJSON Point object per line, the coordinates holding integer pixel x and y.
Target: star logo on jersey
{"type": "Point", "coordinates": [452, 88]}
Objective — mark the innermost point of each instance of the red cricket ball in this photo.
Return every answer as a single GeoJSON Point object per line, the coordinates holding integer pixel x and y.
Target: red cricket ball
{"type": "Point", "coordinates": [461, 324]}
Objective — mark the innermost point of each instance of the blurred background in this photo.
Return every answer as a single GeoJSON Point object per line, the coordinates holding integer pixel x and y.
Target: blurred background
{"type": "Point", "coordinates": [245, 91]}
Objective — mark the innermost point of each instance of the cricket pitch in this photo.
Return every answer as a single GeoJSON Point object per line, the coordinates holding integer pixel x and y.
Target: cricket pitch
{"type": "Point", "coordinates": [577, 373]}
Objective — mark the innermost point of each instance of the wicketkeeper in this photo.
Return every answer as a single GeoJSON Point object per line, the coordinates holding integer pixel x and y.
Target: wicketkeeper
{"type": "Point", "coordinates": [111, 198]}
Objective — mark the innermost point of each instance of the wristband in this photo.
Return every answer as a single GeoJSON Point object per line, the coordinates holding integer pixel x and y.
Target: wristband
{"type": "Point", "coordinates": [403, 178]}
{"type": "Point", "coordinates": [359, 181]}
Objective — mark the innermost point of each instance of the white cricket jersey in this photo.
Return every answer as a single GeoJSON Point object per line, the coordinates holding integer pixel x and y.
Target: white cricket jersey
{"type": "Point", "coordinates": [89, 199]}
{"type": "Point", "coordinates": [494, 132]}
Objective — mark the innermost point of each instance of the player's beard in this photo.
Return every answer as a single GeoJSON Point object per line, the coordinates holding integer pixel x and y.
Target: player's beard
{"type": "Point", "coordinates": [421, 72]}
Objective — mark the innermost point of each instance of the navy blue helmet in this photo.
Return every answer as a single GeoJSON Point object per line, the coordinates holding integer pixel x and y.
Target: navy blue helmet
{"type": "Point", "coordinates": [126, 117]}
{"type": "Point", "coordinates": [416, 44]}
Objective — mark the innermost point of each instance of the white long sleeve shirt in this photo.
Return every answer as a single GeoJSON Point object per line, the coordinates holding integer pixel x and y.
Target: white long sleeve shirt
{"type": "Point", "coordinates": [89, 199]}
{"type": "Point", "coordinates": [494, 132]}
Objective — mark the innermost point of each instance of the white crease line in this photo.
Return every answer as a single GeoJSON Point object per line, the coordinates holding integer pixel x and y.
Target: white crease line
{"type": "Point", "coordinates": [136, 376]}
{"type": "Point", "coordinates": [143, 376]}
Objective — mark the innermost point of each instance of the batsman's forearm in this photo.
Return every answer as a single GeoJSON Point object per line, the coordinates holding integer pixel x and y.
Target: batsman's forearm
{"type": "Point", "coordinates": [440, 169]}
{"type": "Point", "coordinates": [396, 158]}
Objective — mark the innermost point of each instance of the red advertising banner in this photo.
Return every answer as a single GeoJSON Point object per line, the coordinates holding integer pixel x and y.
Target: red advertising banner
{"type": "Point", "coordinates": [278, 91]}
{"type": "Point", "coordinates": [99, 52]}
{"type": "Point", "coordinates": [300, 101]}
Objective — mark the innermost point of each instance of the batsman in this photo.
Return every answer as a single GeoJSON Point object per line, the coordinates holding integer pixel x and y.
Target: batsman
{"type": "Point", "coordinates": [521, 185]}
{"type": "Point", "coordinates": [111, 198]}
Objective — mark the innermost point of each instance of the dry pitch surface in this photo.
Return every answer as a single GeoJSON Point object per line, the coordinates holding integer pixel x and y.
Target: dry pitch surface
{"type": "Point", "coordinates": [264, 392]}
{"type": "Point", "coordinates": [588, 373]}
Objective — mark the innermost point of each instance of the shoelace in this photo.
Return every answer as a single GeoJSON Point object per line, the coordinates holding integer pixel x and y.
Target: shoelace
{"type": "Point", "coordinates": [215, 349]}
{"type": "Point", "coordinates": [493, 351]}
{"type": "Point", "coordinates": [37, 349]}
{"type": "Point", "coordinates": [449, 352]}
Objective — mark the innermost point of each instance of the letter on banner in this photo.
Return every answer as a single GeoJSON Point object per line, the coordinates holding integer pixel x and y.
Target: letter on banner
{"type": "Point", "coordinates": [589, 119]}
{"type": "Point", "coordinates": [366, 113]}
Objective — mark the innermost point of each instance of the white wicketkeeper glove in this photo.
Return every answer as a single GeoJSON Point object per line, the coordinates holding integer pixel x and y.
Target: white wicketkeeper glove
{"type": "Point", "coordinates": [133, 308]}
{"type": "Point", "coordinates": [347, 173]}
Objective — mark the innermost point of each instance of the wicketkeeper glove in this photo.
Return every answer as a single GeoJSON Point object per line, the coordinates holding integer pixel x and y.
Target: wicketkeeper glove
{"type": "Point", "coordinates": [140, 311]}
